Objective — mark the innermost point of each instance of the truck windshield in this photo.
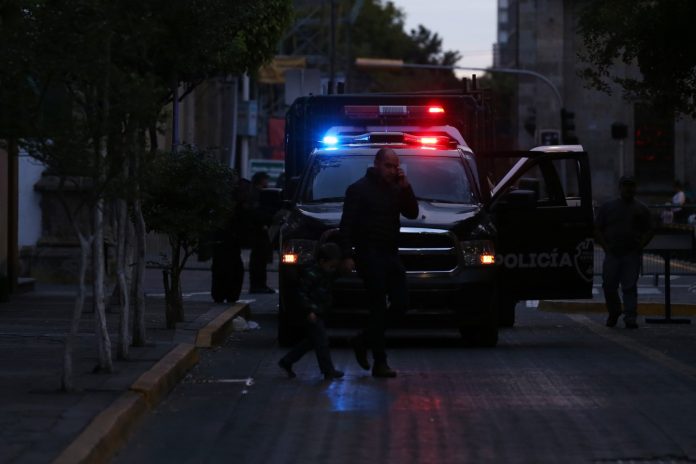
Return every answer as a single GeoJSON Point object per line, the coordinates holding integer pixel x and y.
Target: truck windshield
{"type": "Point", "coordinates": [433, 178]}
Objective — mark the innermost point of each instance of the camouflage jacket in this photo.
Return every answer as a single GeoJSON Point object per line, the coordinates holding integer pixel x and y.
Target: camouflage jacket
{"type": "Point", "coordinates": [314, 289]}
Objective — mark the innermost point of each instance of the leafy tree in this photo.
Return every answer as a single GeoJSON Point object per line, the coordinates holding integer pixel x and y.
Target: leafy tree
{"type": "Point", "coordinates": [188, 194]}
{"type": "Point", "coordinates": [379, 32]}
{"type": "Point", "coordinates": [85, 83]}
{"type": "Point", "coordinates": [653, 35]}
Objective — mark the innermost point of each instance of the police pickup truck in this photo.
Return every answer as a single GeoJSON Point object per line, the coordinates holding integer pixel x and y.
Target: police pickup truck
{"type": "Point", "coordinates": [481, 242]}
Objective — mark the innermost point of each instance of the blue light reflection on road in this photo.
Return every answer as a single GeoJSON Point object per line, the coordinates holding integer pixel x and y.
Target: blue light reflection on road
{"type": "Point", "coordinates": [365, 396]}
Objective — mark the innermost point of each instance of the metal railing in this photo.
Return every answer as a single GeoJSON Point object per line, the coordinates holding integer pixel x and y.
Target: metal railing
{"type": "Point", "coordinates": [682, 263]}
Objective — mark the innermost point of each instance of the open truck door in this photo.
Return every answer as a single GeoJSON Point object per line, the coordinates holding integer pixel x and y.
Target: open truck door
{"type": "Point", "coordinates": [542, 210]}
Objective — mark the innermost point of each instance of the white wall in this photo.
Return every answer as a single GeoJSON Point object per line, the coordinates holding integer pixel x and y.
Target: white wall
{"type": "Point", "coordinates": [29, 201]}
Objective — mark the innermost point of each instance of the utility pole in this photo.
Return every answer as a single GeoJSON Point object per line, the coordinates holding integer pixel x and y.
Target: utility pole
{"type": "Point", "coordinates": [244, 168]}
{"type": "Point", "coordinates": [332, 57]}
{"type": "Point", "coordinates": [234, 81]}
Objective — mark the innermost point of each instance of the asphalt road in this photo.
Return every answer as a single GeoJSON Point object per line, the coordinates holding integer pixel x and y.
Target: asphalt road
{"type": "Point", "coordinates": [558, 388]}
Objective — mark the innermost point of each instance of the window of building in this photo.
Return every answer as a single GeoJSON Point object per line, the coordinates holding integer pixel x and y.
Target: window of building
{"type": "Point", "coordinates": [654, 147]}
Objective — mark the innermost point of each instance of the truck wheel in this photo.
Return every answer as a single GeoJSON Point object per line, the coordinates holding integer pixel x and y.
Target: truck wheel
{"type": "Point", "coordinates": [506, 312]}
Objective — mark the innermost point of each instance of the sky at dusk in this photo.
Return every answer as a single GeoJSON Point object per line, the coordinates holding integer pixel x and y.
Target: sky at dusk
{"type": "Point", "coordinates": [468, 26]}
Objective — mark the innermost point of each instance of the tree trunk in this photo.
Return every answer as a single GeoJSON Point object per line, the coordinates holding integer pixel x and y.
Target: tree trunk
{"type": "Point", "coordinates": [101, 329]}
{"type": "Point", "coordinates": [139, 332]}
{"type": "Point", "coordinates": [178, 307]}
{"type": "Point", "coordinates": [140, 231]}
{"type": "Point", "coordinates": [172, 287]}
{"type": "Point", "coordinates": [67, 377]}
{"type": "Point", "coordinates": [122, 280]}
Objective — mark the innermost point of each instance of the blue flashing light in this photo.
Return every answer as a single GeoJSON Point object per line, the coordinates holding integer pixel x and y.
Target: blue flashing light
{"type": "Point", "coordinates": [330, 140]}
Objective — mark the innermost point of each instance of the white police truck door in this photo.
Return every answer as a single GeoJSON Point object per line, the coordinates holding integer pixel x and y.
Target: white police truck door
{"type": "Point", "coordinates": [542, 209]}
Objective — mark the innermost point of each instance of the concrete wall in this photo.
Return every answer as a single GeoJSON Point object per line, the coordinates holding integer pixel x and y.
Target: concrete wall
{"type": "Point", "coordinates": [4, 207]}
{"type": "Point", "coordinates": [29, 201]}
{"type": "Point", "coordinates": [548, 44]}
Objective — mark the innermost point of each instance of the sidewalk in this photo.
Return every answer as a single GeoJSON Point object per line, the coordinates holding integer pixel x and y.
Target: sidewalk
{"type": "Point", "coordinates": [38, 421]}
{"type": "Point", "coordinates": [651, 298]}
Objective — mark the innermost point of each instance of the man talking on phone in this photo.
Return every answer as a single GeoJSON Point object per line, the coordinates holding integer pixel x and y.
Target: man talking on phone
{"type": "Point", "coordinates": [369, 235]}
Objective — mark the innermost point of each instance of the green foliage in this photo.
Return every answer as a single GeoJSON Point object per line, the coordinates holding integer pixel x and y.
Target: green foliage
{"type": "Point", "coordinates": [379, 32]}
{"type": "Point", "coordinates": [113, 63]}
{"type": "Point", "coordinates": [187, 195]}
{"type": "Point", "coordinates": [656, 36]}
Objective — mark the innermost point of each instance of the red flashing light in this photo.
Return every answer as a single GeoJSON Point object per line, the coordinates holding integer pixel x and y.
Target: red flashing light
{"type": "Point", "coordinates": [391, 111]}
{"type": "Point", "coordinates": [428, 140]}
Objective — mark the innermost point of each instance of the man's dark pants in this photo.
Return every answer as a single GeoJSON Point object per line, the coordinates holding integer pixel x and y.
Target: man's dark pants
{"type": "Point", "coordinates": [316, 338]}
{"type": "Point", "coordinates": [261, 254]}
{"type": "Point", "coordinates": [621, 270]}
{"type": "Point", "coordinates": [227, 273]}
{"type": "Point", "coordinates": [384, 277]}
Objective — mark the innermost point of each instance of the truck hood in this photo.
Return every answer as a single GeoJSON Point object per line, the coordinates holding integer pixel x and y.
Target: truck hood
{"type": "Point", "coordinates": [431, 214]}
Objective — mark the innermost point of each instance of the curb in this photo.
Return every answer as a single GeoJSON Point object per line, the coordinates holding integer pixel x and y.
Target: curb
{"type": "Point", "coordinates": [219, 328]}
{"type": "Point", "coordinates": [110, 429]}
{"type": "Point", "coordinates": [156, 382]}
{"type": "Point", "coordinates": [106, 432]}
{"type": "Point", "coordinates": [644, 309]}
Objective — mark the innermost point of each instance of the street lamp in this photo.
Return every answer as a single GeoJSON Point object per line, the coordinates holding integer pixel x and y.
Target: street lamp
{"type": "Point", "coordinates": [388, 63]}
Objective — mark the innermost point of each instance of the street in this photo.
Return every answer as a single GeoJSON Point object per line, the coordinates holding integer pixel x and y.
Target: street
{"type": "Point", "coordinates": [558, 388]}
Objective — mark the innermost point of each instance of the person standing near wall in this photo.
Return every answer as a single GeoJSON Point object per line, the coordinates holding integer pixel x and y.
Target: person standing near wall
{"type": "Point", "coordinates": [228, 267]}
{"type": "Point", "coordinates": [261, 249]}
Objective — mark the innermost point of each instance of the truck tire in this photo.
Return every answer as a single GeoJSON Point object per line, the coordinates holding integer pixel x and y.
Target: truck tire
{"type": "Point", "coordinates": [506, 311]}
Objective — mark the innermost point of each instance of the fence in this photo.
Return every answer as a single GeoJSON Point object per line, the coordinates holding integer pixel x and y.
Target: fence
{"type": "Point", "coordinates": [682, 263]}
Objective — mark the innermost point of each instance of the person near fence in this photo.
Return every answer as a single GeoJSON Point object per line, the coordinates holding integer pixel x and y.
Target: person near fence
{"type": "Point", "coordinates": [314, 289]}
{"type": "Point", "coordinates": [623, 227]}
{"type": "Point", "coordinates": [678, 202]}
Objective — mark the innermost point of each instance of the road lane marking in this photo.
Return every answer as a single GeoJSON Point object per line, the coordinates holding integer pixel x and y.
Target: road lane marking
{"type": "Point", "coordinates": [650, 353]}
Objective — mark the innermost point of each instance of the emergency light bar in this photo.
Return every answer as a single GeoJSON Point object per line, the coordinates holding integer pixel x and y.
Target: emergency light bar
{"type": "Point", "coordinates": [382, 111]}
{"type": "Point", "coordinates": [397, 138]}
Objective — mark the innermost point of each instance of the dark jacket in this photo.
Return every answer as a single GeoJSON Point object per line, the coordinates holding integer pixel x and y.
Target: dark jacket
{"type": "Point", "coordinates": [314, 290]}
{"type": "Point", "coordinates": [371, 213]}
{"type": "Point", "coordinates": [623, 225]}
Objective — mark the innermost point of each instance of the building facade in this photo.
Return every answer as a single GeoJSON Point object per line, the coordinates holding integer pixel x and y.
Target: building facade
{"type": "Point", "coordinates": [542, 36]}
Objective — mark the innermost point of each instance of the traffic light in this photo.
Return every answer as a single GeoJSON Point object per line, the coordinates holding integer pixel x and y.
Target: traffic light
{"type": "Point", "coordinates": [568, 127]}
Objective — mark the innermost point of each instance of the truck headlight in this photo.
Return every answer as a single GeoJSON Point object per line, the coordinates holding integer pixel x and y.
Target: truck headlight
{"type": "Point", "coordinates": [478, 252]}
{"type": "Point", "coordinates": [298, 251]}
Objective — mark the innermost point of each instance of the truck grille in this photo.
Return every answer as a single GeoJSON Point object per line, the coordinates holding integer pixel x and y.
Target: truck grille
{"type": "Point", "coordinates": [427, 250]}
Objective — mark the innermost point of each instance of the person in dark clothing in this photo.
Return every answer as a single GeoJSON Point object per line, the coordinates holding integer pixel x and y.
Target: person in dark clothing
{"type": "Point", "coordinates": [623, 227]}
{"type": "Point", "coordinates": [228, 267]}
{"type": "Point", "coordinates": [370, 226]}
{"type": "Point", "coordinates": [261, 248]}
{"type": "Point", "coordinates": [315, 284]}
